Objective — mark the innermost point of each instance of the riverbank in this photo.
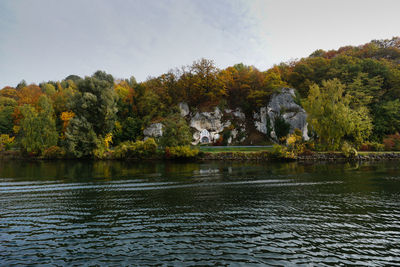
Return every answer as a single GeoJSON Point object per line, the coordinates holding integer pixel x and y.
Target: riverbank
{"type": "Point", "coordinates": [316, 156]}
{"type": "Point", "coordinates": [242, 156]}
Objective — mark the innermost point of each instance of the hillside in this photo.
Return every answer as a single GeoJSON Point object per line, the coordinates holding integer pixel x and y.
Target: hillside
{"type": "Point", "coordinates": [75, 113]}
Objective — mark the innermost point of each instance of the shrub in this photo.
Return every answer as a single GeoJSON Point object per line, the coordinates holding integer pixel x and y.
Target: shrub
{"type": "Point", "coordinates": [348, 150]}
{"type": "Point", "coordinates": [281, 152]}
{"type": "Point", "coordinates": [180, 152]}
{"type": "Point", "coordinates": [53, 152]}
{"type": "Point", "coordinates": [102, 150]}
{"type": "Point", "coordinates": [295, 142]}
{"type": "Point", "coordinates": [138, 149]}
{"type": "Point", "coordinates": [392, 142]}
{"type": "Point", "coordinates": [372, 146]}
{"type": "Point", "coordinates": [281, 127]}
{"type": "Point", "coordinates": [176, 132]}
{"type": "Point", "coordinates": [6, 142]}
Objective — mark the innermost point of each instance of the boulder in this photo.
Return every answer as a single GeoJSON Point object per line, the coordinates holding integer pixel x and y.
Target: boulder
{"type": "Point", "coordinates": [153, 130]}
{"type": "Point", "coordinates": [184, 108]}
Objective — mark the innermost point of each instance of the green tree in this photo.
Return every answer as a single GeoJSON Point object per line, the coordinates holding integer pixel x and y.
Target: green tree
{"type": "Point", "coordinates": [281, 127]}
{"type": "Point", "coordinates": [38, 128]}
{"type": "Point", "coordinates": [129, 130]}
{"type": "Point", "coordinates": [7, 106]}
{"type": "Point", "coordinates": [95, 108]}
{"type": "Point", "coordinates": [331, 117]}
{"type": "Point", "coordinates": [81, 137]}
{"type": "Point", "coordinates": [176, 132]}
{"type": "Point", "coordinates": [386, 118]}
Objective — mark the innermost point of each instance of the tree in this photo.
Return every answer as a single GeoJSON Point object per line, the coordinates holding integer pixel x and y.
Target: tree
{"type": "Point", "coordinates": [331, 117]}
{"type": "Point", "coordinates": [81, 137]}
{"type": "Point", "coordinates": [38, 128]}
{"type": "Point", "coordinates": [202, 83]}
{"type": "Point", "coordinates": [129, 130]}
{"type": "Point", "coordinates": [386, 118]}
{"type": "Point", "coordinates": [7, 106]}
{"type": "Point", "coordinates": [95, 108]}
{"type": "Point", "coordinates": [281, 127]}
{"type": "Point", "coordinates": [176, 132]}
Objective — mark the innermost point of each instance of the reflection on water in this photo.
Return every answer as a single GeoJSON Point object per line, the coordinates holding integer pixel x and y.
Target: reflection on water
{"type": "Point", "coordinates": [216, 213]}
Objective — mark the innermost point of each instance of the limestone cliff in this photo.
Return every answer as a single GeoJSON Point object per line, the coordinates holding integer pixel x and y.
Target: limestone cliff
{"type": "Point", "coordinates": [207, 127]}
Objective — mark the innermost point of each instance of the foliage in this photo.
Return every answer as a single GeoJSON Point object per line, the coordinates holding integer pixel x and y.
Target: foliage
{"type": "Point", "coordinates": [281, 152]}
{"type": "Point", "coordinates": [180, 152]}
{"type": "Point", "coordinates": [386, 118]}
{"type": "Point", "coordinates": [392, 142]}
{"type": "Point", "coordinates": [330, 115]}
{"type": "Point", "coordinates": [295, 142]}
{"type": "Point", "coordinates": [281, 127]}
{"type": "Point", "coordinates": [66, 116]}
{"type": "Point", "coordinates": [372, 146]}
{"type": "Point", "coordinates": [138, 149]}
{"type": "Point", "coordinates": [348, 150]}
{"type": "Point", "coordinates": [38, 128]}
{"type": "Point", "coordinates": [176, 132]}
{"type": "Point", "coordinates": [7, 106]}
{"type": "Point", "coordinates": [53, 152]}
{"type": "Point", "coordinates": [94, 106]}
{"type": "Point", "coordinates": [103, 147]}
{"type": "Point", "coordinates": [96, 102]}
{"type": "Point", "coordinates": [129, 130]}
{"type": "Point", "coordinates": [81, 139]}
{"type": "Point", "coordinates": [6, 142]}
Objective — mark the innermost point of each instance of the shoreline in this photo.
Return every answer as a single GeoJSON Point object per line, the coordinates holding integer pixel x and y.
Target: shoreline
{"type": "Point", "coordinates": [233, 156]}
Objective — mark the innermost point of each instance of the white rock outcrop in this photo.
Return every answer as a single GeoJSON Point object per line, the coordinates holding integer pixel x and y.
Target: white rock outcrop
{"type": "Point", "coordinates": [153, 130]}
{"type": "Point", "coordinates": [184, 108]}
{"type": "Point", "coordinates": [210, 121]}
{"type": "Point", "coordinates": [282, 104]}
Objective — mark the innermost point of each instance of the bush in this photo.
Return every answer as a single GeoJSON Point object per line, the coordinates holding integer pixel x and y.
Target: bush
{"type": "Point", "coordinates": [372, 146]}
{"type": "Point", "coordinates": [295, 142]}
{"type": "Point", "coordinates": [102, 150]}
{"type": "Point", "coordinates": [281, 152]}
{"type": "Point", "coordinates": [176, 132]}
{"type": "Point", "coordinates": [138, 149]}
{"type": "Point", "coordinates": [53, 152]}
{"type": "Point", "coordinates": [6, 142]}
{"type": "Point", "coordinates": [348, 150]}
{"type": "Point", "coordinates": [392, 142]}
{"type": "Point", "coordinates": [281, 127]}
{"type": "Point", "coordinates": [180, 152]}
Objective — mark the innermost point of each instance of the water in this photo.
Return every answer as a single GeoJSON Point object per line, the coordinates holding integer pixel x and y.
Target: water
{"type": "Point", "coordinates": [219, 213]}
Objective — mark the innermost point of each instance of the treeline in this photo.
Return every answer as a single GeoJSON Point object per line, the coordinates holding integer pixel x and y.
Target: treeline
{"type": "Point", "coordinates": [351, 94]}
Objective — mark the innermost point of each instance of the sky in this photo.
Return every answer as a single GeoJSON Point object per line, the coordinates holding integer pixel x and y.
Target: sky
{"type": "Point", "coordinates": [42, 40]}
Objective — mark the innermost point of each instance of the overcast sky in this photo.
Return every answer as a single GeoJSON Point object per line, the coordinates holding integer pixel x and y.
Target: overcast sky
{"type": "Point", "coordinates": [43, 40]}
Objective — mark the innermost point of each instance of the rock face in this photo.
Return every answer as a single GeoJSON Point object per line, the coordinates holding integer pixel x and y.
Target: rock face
{"type": "Point", "coordinates": [283, 105]}
{"type": "Point", "coordinates": [153, 130]}
{"type": "Point", "coordinates": [184, 108]}
{"type": "Point", "coordinates": [208, 126]}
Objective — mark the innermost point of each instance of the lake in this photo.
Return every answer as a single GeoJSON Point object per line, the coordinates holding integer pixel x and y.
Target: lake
{"type": "Point", "coordinates": [211, 213]}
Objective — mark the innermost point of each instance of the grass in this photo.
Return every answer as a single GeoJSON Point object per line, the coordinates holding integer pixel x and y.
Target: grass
{"type": "Point", "coordinates": [249, 149]}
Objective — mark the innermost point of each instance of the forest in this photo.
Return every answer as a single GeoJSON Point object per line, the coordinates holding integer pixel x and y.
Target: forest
{"type": "Point", "coordinates": [351, 96]}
